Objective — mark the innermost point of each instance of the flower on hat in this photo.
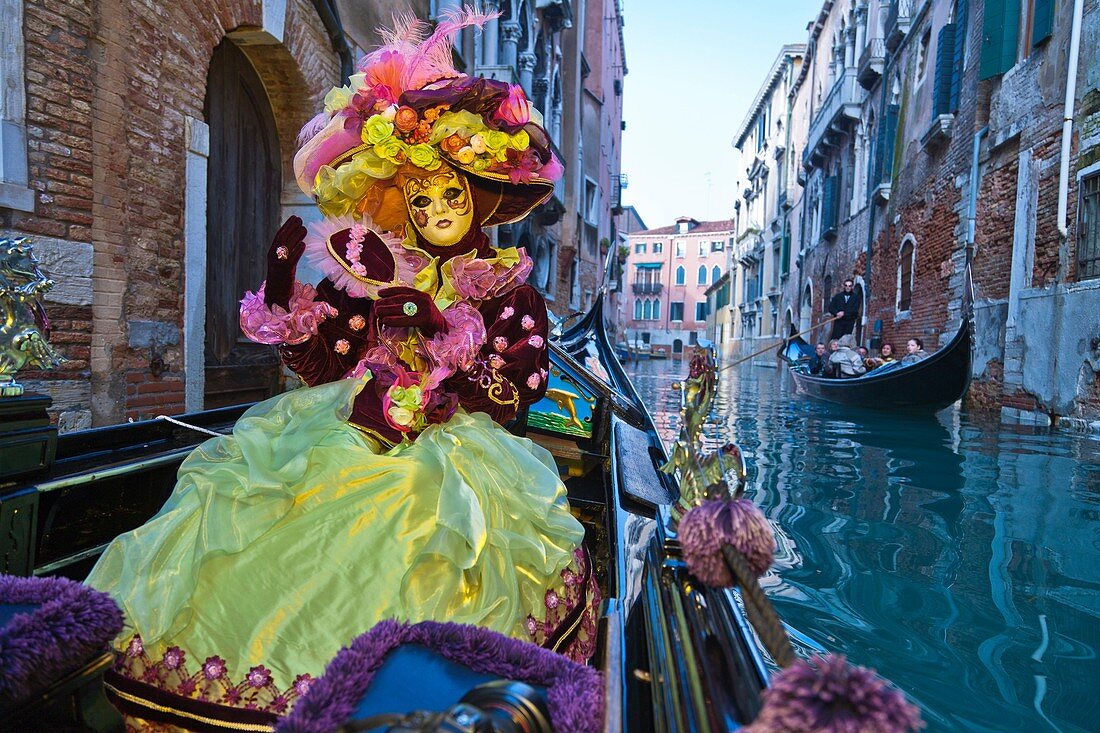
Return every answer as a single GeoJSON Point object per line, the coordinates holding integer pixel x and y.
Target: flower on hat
{"type": "Point", "coordinates": [515, 110]}
{"type": "Point", "coordinates": [376, 129]}
{"type": "Point", "coordinates": [424, 156]}
{"type": "Point", "coordinates": [405, 119]}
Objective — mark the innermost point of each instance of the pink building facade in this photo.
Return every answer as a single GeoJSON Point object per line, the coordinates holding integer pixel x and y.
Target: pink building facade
{"type": "Point", "coordinates": [665, 279]}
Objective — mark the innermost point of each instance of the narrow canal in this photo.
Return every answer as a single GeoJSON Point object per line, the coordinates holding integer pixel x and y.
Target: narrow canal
{"type": "Point", "coordinates": [958, 557]}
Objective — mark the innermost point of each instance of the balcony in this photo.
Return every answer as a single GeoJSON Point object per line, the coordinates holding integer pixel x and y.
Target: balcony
{"type": "Point", "coordinates": [872, 62]}
{"type": "Point", "coordinates": [647, 288]}
{"type": "Point", "coordinates": [837, 111]}
{"type": "Point", "coordinates": [499, 73]}
{"type": "Point", "coordinates": [897, 23]}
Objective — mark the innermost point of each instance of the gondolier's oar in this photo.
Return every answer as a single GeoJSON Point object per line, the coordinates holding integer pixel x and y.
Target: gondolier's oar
{"type": "Point", "coordinates": [773, 346]}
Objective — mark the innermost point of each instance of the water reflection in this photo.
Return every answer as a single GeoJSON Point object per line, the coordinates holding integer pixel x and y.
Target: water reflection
{"type": "Point", "coordinates": [956, 556]}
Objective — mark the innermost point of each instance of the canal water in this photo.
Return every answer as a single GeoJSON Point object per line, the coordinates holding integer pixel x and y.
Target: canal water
{"type": "Point", "coordinates": [957, 556]}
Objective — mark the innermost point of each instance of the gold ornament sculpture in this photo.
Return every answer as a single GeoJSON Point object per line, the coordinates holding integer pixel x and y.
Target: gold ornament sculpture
{"type": "Point", "coordinates": [24, 328]}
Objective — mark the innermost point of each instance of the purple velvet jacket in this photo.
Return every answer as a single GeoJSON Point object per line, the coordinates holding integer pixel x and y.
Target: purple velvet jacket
{"type": "Point", "coordinates": [509, 373]}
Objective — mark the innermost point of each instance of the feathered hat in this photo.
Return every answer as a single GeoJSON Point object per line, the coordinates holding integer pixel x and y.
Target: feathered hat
{"type": "Point", "coordinates": [405, 113]}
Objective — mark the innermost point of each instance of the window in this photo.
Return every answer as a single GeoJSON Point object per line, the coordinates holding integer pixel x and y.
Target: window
{"type": "Point", "coordinates": [702, 274]}
{"type": "Point", "coordinates": [658, 248]}
{"type": "Point", "coordinates": [656, 310]}
{"type": "Point", "coordinates": [639, 248]}
{"type": "Point", "coordinates": [680, 275]}
{"type": "Point", "coordinates": [679, 248]}
{"type": "Point", "coordinates": [15, 190]}
{"type": "Point", "coordinates": [638, 310]}
{"type": "Point", "coordinates": [1088, 229]}
{"type": "Point", "coordinates": [591, 202]}
{"type": "Point", "coordinates": [703, 249]}
{"type": "Point", "coordinates": [922, 55]}
{"type": "Point", "coordinates": [716, 246]}
{"type": "Point", "coordinates": [647, 310]}
{"type": "Point", "coordinates": [701, 311]}
{"type": "Point", "coordinates": [905, 273]}
{"type": "Point", "coordinates": [676, 311]}
{"type": "Point", "coordinates": [715, 273]}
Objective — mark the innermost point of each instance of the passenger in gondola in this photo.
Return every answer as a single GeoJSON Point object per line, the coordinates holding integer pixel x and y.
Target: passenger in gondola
{"type": "Point", "coordinates": [818, 360]}
{"type": "Point", "coordinates": [387, 487]}
{"type": "Point", "coordinates": [914, 351]}
{"type": "Point", "coordinates": [846, 361]}
{"type": "Point", "coordinates": [886, 356]}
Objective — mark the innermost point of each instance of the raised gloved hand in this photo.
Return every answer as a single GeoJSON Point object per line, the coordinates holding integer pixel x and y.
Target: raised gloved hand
{"type": "Point", "coordinates": [409, 308]}
{"type": "Point", "coordinates": [282, 261]}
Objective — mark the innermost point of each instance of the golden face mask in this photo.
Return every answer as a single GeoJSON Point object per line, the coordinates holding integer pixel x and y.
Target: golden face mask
{"type": "Point", "coordinates": [440, 207]}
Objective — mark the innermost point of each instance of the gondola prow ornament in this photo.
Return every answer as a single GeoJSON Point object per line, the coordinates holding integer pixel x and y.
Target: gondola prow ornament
{"type": "Point", "coordinates": [728, 542]}
{"type": "Point", "coordinates": [24, 329]}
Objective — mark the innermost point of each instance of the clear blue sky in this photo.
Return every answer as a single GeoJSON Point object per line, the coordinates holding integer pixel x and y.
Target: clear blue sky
{"type": "Point", "coordinates": [694, 67]}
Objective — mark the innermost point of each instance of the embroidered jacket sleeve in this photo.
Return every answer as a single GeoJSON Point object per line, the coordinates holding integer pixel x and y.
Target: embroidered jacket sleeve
{"type": "Point", "coordinates": [512, 369]}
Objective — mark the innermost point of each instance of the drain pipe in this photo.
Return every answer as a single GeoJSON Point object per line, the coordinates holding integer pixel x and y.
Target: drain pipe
{"type": "Point", "coordinates": [330, 19]}
{"type": "Point", "coordinates": [972, 205]}
{"type": "Point", "coordinates": [1067, 117]}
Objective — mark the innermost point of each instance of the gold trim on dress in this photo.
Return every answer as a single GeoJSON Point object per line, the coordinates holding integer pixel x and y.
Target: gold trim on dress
{"type": "Point", "coordinates": [250, 727]}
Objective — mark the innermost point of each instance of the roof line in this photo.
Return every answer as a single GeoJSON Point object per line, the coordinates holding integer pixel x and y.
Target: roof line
{"type": "Point", "coordinates": [787, 51]}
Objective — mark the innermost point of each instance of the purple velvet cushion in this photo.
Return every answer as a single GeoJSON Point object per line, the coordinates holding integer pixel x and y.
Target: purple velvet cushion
{"type": "Point", "coordinates": [57, 625]}
{"type": "Point", "coordinates": [574, 692]}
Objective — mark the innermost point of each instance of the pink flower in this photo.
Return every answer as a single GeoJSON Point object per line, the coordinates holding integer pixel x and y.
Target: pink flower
{"type": "Point", "coordinates": [302, 684]}
{"type": "Point", "coordinates": [342, 347]}
{"type": "Point", "coordinates": [474, 278]}
{"type": "Point", "coordinates": [173, 658]}
{"type": "Point", "coordinates": [136, 648]}
{"type": "Point", "coordinates": [232, 696]}
{"type": "Point", "coordinates": [258, 676]}
{"type": "Point", "coordinates": [552, 599]}
{"type": "Point", "coordinates": [528, 323]}
{"type": "Point", "coordinates": [568, 577]}
{"type": "Point", "coordinates": [500, 343]}
{"type": "Point", "coordinates": [279, 704]}
{"type": "Point", "coordinates": [213, 668]}
{"type": "Point", "coordinates": [507, 313]}
{"type": "Point", "coordinates": [456, 347]}
{"type": "Point", "coordinates": [532, 625]}
{"type": "Point", "coordinates": [534, 381]}
{"type": "Point", "coordinates": [535, 341]}
{"type": "Point", "coordinates": [496, 361]}
{"type": "Point", "coordinates": [514, 110]}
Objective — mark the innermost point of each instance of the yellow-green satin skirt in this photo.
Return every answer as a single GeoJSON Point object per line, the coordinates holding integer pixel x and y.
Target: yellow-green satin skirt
{"type": "Point", "coordinates": [294, 534]}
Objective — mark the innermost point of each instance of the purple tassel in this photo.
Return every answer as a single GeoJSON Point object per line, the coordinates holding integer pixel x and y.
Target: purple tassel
{"type": "Point", "coordinates": [72, 622]}
{"type": "Point", "coordinates": [574, 691]}
{"type": "Point", "coordinates": [738, 522]}
{"type": "Point", "coordinates": [828, 695]}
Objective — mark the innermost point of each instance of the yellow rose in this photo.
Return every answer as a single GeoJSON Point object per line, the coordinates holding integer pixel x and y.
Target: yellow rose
{"type": "Point", "coordinates": [465, 156]}
{"type": "Point", "coordinates": [496, 140]}
{"type": "Point", "coordinates": [391, 150]}
{"type": "Point", "coordinates": [401, 416]}
{"type": "Point", "coordinates": [424, 156]}
{"type": "Point", "coordinates": [376, 129]}
{"type": "Point", "coordinates": [480, 163]}
{"type": "Point", "coordinates": [520, 141]}
{"type": "Point", "coordinates": [337, 99]}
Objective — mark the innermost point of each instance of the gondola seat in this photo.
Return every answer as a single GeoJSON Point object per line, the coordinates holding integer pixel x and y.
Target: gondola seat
{"type": "Point", "coordinates": [54, 636]}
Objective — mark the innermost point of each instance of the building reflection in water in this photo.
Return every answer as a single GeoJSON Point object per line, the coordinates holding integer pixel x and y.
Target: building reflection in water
{"type": "Point", "coordinates": [955, 555]}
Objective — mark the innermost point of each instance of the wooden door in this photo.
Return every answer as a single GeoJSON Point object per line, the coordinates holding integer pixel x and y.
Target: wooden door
{"type": "Point", "coordinates": [243, 182]}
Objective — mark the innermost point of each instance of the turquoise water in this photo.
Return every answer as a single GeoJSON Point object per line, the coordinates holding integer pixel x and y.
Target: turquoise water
{"type": "Point", "coordinates": [958, 557]}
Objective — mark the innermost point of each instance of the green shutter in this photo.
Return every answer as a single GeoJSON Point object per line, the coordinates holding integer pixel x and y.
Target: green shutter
{"type": "Point", "coordinates": [883, 169]}
{"type": "Point", "coordinates": [945, 71]}
{"type": "Point", "coordinates": [1000, 30]}
{"type": "Point", "coordinates": [785, 252]}
{"type": "Point", "coordinates": [1042, 21]}
{"type": "Point", "coordinates": [829, 207]}
{"type": "Point", "coordinates": [961, 10]}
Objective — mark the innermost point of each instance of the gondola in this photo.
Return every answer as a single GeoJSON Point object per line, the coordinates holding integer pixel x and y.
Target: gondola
{"type": "Point", "coordinates": [933, 383]}
{"type": "Point", "coordinates": [675, 655]}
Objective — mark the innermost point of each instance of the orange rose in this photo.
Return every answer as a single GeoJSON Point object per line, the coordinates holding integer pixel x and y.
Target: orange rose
{"type": "Point", "coordinates": [406, 119]}
{"type": "Point", "coordinates": [452, 144]}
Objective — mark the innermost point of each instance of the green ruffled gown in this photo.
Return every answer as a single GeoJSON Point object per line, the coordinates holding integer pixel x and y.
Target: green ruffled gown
{"type": "Point", "coordinates": [297, 532]}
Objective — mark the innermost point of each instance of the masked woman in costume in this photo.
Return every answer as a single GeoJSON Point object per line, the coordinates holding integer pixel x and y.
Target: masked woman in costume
{"type": "Point", "coordinates": [385, 488]}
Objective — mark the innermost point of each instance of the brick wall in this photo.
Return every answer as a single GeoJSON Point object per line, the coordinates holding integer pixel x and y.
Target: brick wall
{"type": "Point", "coordinates": [109, 88]}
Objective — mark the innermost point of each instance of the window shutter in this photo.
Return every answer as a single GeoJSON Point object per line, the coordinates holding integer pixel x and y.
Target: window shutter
{"type": "Point", "coordinates": [1042, 21]}
{"type": "Point", "coordinates": [829, 207]}
{"type": "Point", "coordinates": [945, 71]}
{"type": "Point", "coordinates": [961, 10]}
{"type": "Point", "coordinates": [785, 253]}
{"type": "Point", "coordinates": [884, 145]}
{"type": "Point", "coordinates": [1000, 29]}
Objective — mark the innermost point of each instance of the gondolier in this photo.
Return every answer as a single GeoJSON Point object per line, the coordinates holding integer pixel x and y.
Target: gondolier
{"type": "Point", "coordinates": [845, 307]}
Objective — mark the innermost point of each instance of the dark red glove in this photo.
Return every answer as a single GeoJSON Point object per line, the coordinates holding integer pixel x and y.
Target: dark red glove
{"type": "Point", "coordinates": [282, 261]}
{"type": "Point", "coordinates": [392, 309]}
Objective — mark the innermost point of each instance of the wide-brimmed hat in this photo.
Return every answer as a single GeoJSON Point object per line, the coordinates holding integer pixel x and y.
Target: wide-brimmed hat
{"type": "Point", "coordinates": [409, 112]}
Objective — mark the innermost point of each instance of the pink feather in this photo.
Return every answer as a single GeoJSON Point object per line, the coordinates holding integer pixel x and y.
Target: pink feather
{"type": "Point", "coordinates": [433, 59]}
{"type": "Point", "coordinates": [312, 128]}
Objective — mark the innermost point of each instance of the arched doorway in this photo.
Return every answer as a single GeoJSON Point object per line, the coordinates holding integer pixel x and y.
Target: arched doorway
{"type": "Point", "coordinates": [806, 311]}
{"type": "Point", "coordinates": [678, 346]}
{"type": "Point", "coordinates": [243, 186]}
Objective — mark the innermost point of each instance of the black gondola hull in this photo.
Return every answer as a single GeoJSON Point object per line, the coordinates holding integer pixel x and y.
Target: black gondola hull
{"type": "Point", "coordinates": [934, 383]}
